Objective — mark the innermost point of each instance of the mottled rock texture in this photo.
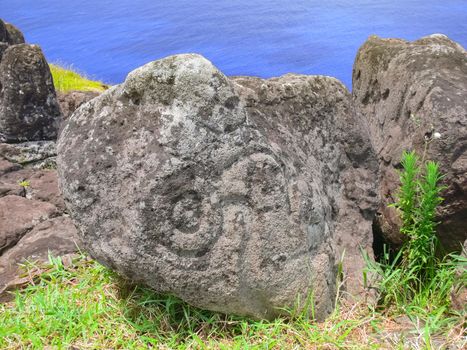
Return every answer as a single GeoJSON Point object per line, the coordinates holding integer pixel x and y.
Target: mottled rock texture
{"type": "Point", "coordinates": [28, 107]}
{"type": "Point", "coordinates": [229, 193]}
{"type": "Point", "coordinates": [408, 92]}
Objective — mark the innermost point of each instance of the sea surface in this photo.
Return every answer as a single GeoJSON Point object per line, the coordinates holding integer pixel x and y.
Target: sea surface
{"type": "Point", "coordinates": [106, 39]}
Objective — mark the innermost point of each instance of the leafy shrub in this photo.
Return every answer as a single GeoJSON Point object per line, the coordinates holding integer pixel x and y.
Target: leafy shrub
{"type": "Point", "coordinates": [417, 278]}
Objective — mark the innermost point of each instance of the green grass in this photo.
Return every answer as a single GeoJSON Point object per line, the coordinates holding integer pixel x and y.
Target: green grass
{"type": "Point", "coordinates": [65, 79]}
{"type": "Point", "coordinates": [86, 306]}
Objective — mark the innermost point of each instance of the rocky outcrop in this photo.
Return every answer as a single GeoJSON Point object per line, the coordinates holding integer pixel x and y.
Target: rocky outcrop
{"type": "Point", "coordinates": [413, 96]}
{"type": "Point", "coordinates": [33, 220]}
{"type": "Point", "coordinates": [227, 193]}
{"type": "Point", "coordinates": [28, 107]}
{"type": "Point", "coordinates": [14, 226]}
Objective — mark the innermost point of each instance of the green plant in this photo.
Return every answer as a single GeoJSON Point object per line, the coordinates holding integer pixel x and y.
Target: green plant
{"type": "Point", "coordinates": [417, 279]}
{"type": "Point", "coordinates": [24, 183]}
{"type": "Point", "coordinates": [418, 198]}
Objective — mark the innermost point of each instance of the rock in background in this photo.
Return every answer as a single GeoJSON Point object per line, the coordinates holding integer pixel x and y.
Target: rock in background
{"type": "Point", "coordinates": [226, 193]}
{"type": "Point", "coordinates": [28, 106]}
{"type": "Point", "coordinates": [409, 92]}
{"type": "Point", "coordinates": [33, 220]}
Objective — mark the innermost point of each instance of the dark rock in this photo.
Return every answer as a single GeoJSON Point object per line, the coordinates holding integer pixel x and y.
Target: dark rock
{"type": "Point", "coordinates": [4, 38]}
{"type": "Point", "coordinates": [70, 101]}
{"type": "Point", "coordinates": [18, 215]}
{"type": "Point", "coordinates": [9, 34]}
{"type": "Point", "coordinates": [28, 107]}
{"type": "Point", "coordinates": [228, 194]}
{"type": "Point", "coordinates": [408, 92]}
{"type": "Point", "coordinates": [3, 47]}
{"type": "Point", "coordinates": [15, 36]}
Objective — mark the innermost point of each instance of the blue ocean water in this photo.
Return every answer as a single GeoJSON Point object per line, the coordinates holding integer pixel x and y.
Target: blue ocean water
{"type": "Point", "coordinates": [109, 38]}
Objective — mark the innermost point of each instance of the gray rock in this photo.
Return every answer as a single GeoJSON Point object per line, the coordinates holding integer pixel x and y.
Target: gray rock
{"type": "Point", "coordinates": [28, 107]}
{"type": "Point", "coordinates": [313, 117]}
{"type": "Point", "coordinates": [224, 193]}
{"type": "Point", "coordinates": [28, 152]}
{"type": "Point", "coordinates": [408, 91]}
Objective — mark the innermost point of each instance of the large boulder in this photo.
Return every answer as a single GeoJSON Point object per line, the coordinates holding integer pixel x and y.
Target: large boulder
{"type": "Point", "coordinates": [28, 107]}
{"type": "Point", "coordinates": [413, 95]}
{"type": "Point", "coordinates": [312, 118]}
{"type": "Point", "coordinates": [226, 193]}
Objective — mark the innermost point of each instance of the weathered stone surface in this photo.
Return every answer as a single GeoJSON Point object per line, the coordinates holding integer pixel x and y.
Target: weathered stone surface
{"type": "Point", "coordinates": [28, 152]}
{"type": "Point", "coordinates": [70, 101]}
{"type": "Point", "coordinates": [15, 36]}
{"type": "Point", "coordinates": [7, 166]}
{"type": "Point", "coordinates": [28, 107]}
{"type": "Point", "coordinates": [225, 193]}
{"type": "Point", "coordinates": [3, 47]}
{"type": "Point", "coordinates": [18, 215]}
{"type": "Point", "coordinates": [9, 34]}
{"type": "Point", "coordinates": [3, 32]}
{"type": "Point", "coordinates": [8, 188]}
{"type": "Point", "coordinates": [56, 236]}
{"type": "Point", "coordinates": [314, 117]}
{"type": "Point", "coordinates": [408, 92]}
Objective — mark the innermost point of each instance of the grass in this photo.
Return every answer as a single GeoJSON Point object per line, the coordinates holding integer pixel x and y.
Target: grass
{"type": "Point", "coordinates": [78, 303]}
{"type": "Point", "coordinates": [66, 79]}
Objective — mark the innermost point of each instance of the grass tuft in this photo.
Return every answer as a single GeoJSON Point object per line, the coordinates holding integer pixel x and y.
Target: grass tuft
{"type": "Point", "coordinates": [66, 79]}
